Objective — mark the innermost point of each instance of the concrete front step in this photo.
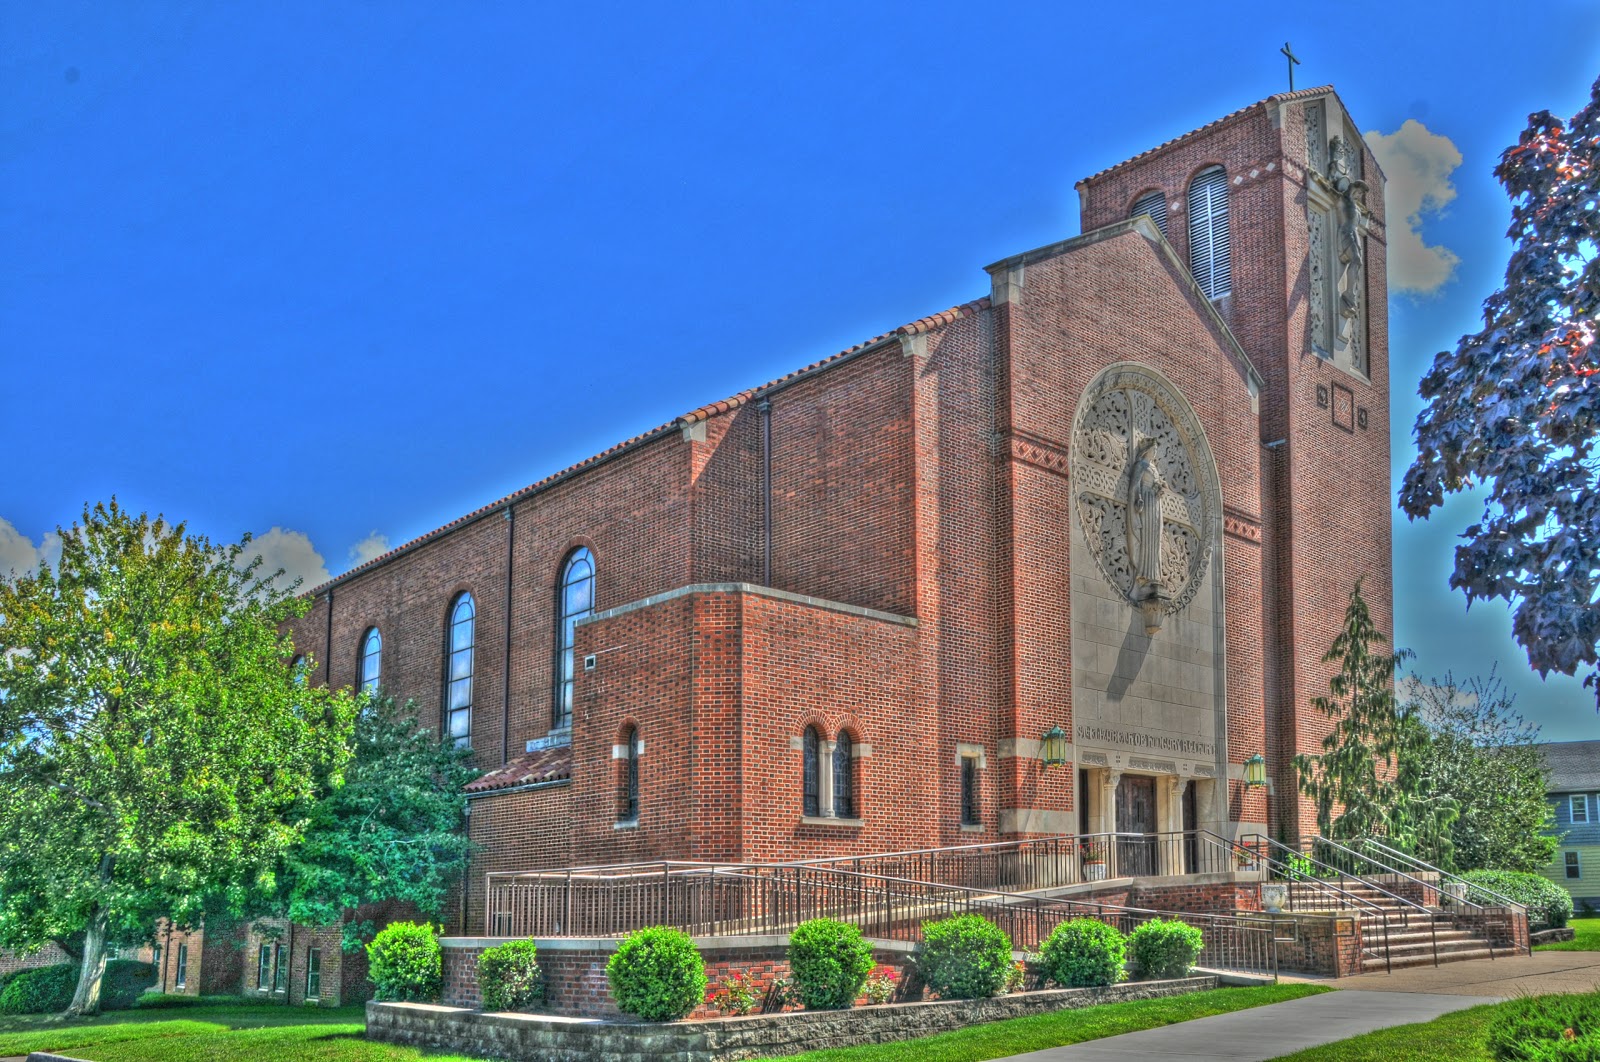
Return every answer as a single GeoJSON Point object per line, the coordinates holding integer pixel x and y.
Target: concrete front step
{"type": "Point", "coordinates": [1375, 963]}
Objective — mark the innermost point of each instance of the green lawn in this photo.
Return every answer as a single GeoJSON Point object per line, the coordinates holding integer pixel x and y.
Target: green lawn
{"type": "Point", "coordinates": [211, 1032]}
{"type": "Point", "coordinates": [1061, 1027]}
{"type": "Point", "coordinates": [1587, 938]}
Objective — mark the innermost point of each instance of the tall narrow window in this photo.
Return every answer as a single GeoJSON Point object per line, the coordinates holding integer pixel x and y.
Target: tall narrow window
{"type": "Point", "coordinates": [313, 974]}
{"type": "Point", "coordinates": [1209, 257]}
{"type": "Point", "coordinates": [280, 969]}
{"type": "Point", "coordinates": [1573, 869]}
{"type": "Point", "coordinates": [1578, 805]}
{"type": "Point", "coordinates": [264, 968]}
{"type": "Point", "coordinates": [811, 803]}
{"type": "Point", "coordinates": [969, 791]}
{"type": "Point", "coordinates": [458, 678]}
{"type": "Point", "coordinates": [371, 660]}
{"type": "Point", "coordinates": [844, 777]}
{"type": "Point", "coordinates": [1154, 204]}
{"type": "Point", "coordinates": [628, 777]}
{"type": "Point", "coordinates": [575, 601]}
{"type": "Point", "coordinates": [180, 977]}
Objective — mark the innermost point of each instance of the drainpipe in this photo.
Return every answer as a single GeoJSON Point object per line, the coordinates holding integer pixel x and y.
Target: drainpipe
{"type": "Point", "coordinates": [288, 973]}
{"type": "Point", "coordinates": [505, 680]}
{"type": "Point", "coordinates": [765, 409]}
{"type": "Point", "coordinates": [327, 651]}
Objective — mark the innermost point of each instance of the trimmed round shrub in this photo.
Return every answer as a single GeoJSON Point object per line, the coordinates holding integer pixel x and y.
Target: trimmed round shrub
{"type": "Point", "coordinates": [42, 990]}
{"type": "Point", "coordinates": [125, 981]}
{"type": "Point", "coordinates": [1536, 1029]}
{"type": "Point", "coordinates": [964, 957]}
{"type": "Point", "coordinates": [404, 963]}
{"type": "Point", "coordinates": [1547, 903]}
{"type": "Point", "coordinates": [1084, 952]}
{"type": "Point", "coordinates": [508, 976]}
{"type": "Point", "coordinates": [657, 974]}
{"type": "Point", "coordinates": [1162, 948]}
{"type": "Point", "coordinates": [829, 962]}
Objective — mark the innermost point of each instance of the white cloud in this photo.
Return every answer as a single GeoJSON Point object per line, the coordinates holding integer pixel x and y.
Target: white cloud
{"type": "Point", "coordinates": [19, 556]}
{"type": "Point", "coordinates": [293, 552]}
{"type": "Point", "coordinates": [374, 545]}
{"type": "Point", "coordinates": [1418, 165]}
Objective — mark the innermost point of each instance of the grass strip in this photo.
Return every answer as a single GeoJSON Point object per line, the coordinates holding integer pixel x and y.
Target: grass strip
{"type": "Point", "coordinates": [1586, 937]}
{"type": "Point", "coordinates": [1061, 1027]}
{"type": "Point", "coordinates": [303, 1043]}
{"type": "Point", "coordinates": [47, 1033]}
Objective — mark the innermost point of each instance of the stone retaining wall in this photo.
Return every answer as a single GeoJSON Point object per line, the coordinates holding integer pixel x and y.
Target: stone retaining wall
{"type": "Point", "coordinates": [546, 1038]}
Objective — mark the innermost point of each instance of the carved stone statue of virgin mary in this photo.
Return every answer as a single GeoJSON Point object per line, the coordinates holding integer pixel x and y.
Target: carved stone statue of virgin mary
{"type": "Point", "coordinates": [1144, 523]}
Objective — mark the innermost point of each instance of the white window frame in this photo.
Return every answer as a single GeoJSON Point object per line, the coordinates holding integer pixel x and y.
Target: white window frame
{"type": "Point", "coordinates": [1578, 807]}
{"type": "Point", "coordinates": [1571, 861]}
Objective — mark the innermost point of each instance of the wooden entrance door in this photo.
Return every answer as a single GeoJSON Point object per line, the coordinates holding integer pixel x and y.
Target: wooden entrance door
{"type": "Point", "coordinates": [1136, 814]}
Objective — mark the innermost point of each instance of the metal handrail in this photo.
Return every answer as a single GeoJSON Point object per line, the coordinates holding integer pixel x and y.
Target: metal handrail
{"type": "Point", "coordinates": [1382, 868]}
{"type": "Point", "coordinates": [1418, 864]}
{"type": "Point", "coordinates": [1398, 899]}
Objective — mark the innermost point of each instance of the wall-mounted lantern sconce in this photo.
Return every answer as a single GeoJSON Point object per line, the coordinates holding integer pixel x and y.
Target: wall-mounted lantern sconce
{"type": "Point", "coordinates": [1255, 771]}
{"type": "Point", "coordinates": [1053, 748]}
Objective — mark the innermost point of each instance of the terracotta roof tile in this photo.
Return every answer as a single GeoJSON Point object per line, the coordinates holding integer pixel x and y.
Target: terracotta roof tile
{"type": "Point", "coordinates": [546, 765]}
{"type": "Point", "coordinates": [733, 402]}
{"type": "Point", "coordinates": [1281, 97]}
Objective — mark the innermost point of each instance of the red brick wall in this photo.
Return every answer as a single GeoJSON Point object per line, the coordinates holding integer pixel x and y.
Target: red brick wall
{"type": "Point", "coordinates": [526, 830]}
{"type": "Point", "coordinates": [49, 955]}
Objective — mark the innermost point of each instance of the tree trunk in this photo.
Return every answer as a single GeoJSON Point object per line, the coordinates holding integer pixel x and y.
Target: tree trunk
{"type": "Point", "coordinates": [86, 1000]}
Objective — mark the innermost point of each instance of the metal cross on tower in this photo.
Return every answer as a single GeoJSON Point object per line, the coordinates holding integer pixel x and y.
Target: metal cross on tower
{"type": "Point", "coordinates": [1288, 52]}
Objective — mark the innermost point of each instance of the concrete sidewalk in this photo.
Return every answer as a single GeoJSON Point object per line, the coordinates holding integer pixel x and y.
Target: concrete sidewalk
{"type": "Point", "coordinates": [1261, 1033]}
{"type": "Point", "coordinates": [1510, 975]}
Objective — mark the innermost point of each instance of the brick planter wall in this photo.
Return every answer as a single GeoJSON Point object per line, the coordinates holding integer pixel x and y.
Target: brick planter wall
{"type": "Point", "coordinates": [575, 970]}
{"type": "Point", "coordinates": [531, 1037]}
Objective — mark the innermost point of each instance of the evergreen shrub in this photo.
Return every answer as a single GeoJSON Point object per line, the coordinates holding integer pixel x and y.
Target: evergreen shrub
{"type": "Point", "coordinates": [1162, 948]}
{"type": "Point", "coordinates": [830, 962]}
{"type": "Point", "coordinates": [1547, 903]}
{"type": "Point", "coordinates": [404, 963]}
{"type": "Point", "coordinates": [964, 957]}
{"type": "Point", "coordinates": [42, 990]}
{"type": "Point", "coordinates": [508, 976]}
{"type": "Point", "coordinates": [1084, 952]}
{"type": "Point", "coordinates": [657, 974]}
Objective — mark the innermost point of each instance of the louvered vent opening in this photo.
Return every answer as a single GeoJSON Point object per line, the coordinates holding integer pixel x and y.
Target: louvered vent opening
{"type": "Point", "coordinates": [1154, 204]}
{"type": "Point", "coordinates": [1209, 257]}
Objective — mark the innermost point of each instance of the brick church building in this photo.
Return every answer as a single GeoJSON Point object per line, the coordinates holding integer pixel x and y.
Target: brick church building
{"type": "Point", "coordinates": [1118, 500]}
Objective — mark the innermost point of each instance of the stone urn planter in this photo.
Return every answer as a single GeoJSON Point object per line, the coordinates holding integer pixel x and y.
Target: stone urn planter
{"type": "Point", "coordinates": [1274, 897]}
{"type": "Point", "coordinates": [1094, 872]}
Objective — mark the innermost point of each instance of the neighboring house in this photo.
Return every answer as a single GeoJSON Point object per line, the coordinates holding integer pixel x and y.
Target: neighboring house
{"type": "Point", "coordinates": [1575, 794]}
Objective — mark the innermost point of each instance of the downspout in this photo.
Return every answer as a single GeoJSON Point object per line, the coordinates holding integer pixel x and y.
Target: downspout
{"type": "Point", "coordinates": [288, 974]}
{"type": "Point", "coordinates": [466, 875]}
{"type": "Point", "coordinates": [505, 680]}
{"type": "Point", "coordinates": [327, 646]}
{"type": "Point", "coordinates": [765, 409]}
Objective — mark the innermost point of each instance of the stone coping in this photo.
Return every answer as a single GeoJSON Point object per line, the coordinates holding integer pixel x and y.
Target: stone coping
{"type": "Point", "coordinates": [556, 1038]}
{"type": "Point", "coordinates": [704, 944]}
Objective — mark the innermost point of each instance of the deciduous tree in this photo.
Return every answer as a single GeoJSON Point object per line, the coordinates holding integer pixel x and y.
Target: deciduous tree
{"type": "Point", "coordinates": [1515, 408]}
{"type": "Point", "coordinates": [153, 741]}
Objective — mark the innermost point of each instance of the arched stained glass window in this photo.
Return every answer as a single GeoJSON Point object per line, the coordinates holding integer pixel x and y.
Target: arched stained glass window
{"type": "Point", "coordinates": [458, 675]}
{"type": "Point", "coordinates": [575, 600]}
{"type": "Point", "coordinates": [1154, 204]}
{"type": "Point", "coordinates": [812, 773]}
{"type": "Point", "coordinates": [1209, 258]}
{"type": "Point", "coordinates": [844, 777]}
{"type": "Point", "coordinates": [371, 661]}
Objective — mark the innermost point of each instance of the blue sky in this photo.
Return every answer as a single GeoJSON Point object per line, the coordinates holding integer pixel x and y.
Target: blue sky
{"type": "Point", "coordinates": [336, 274]}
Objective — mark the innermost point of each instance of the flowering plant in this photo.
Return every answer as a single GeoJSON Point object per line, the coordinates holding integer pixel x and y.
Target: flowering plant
{"type": "Point", "coordinates": [736, 995]}
{"type": "Point", "coordinates": [1092, 851]}
{"type": "Point", "coordinates": [880, 986]}
{"type": "Point", "coordinates": [1017, 977]}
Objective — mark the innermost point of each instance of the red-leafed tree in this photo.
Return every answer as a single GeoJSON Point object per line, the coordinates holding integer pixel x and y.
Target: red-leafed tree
{"type": "Point", "coordinates": [1515, 408]}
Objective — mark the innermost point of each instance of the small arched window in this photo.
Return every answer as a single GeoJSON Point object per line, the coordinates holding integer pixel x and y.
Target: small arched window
{"type": "Point", "coordinates": [628, 777]}
{"type": "Point", "coordinates": [811, 770]}
{"type": "Point", "coordinates": [1154, 204]}
{"type": "Point", "coordinates": [458, 677]}
{"type": "Point", "coordinates": [575, 600]}
{"type": "Point", "coordinates": [371, 660]}
{"type": "Point", "coordinates": [1209, 258]}
{"type": "Point", "coordinates": [844, 777]}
